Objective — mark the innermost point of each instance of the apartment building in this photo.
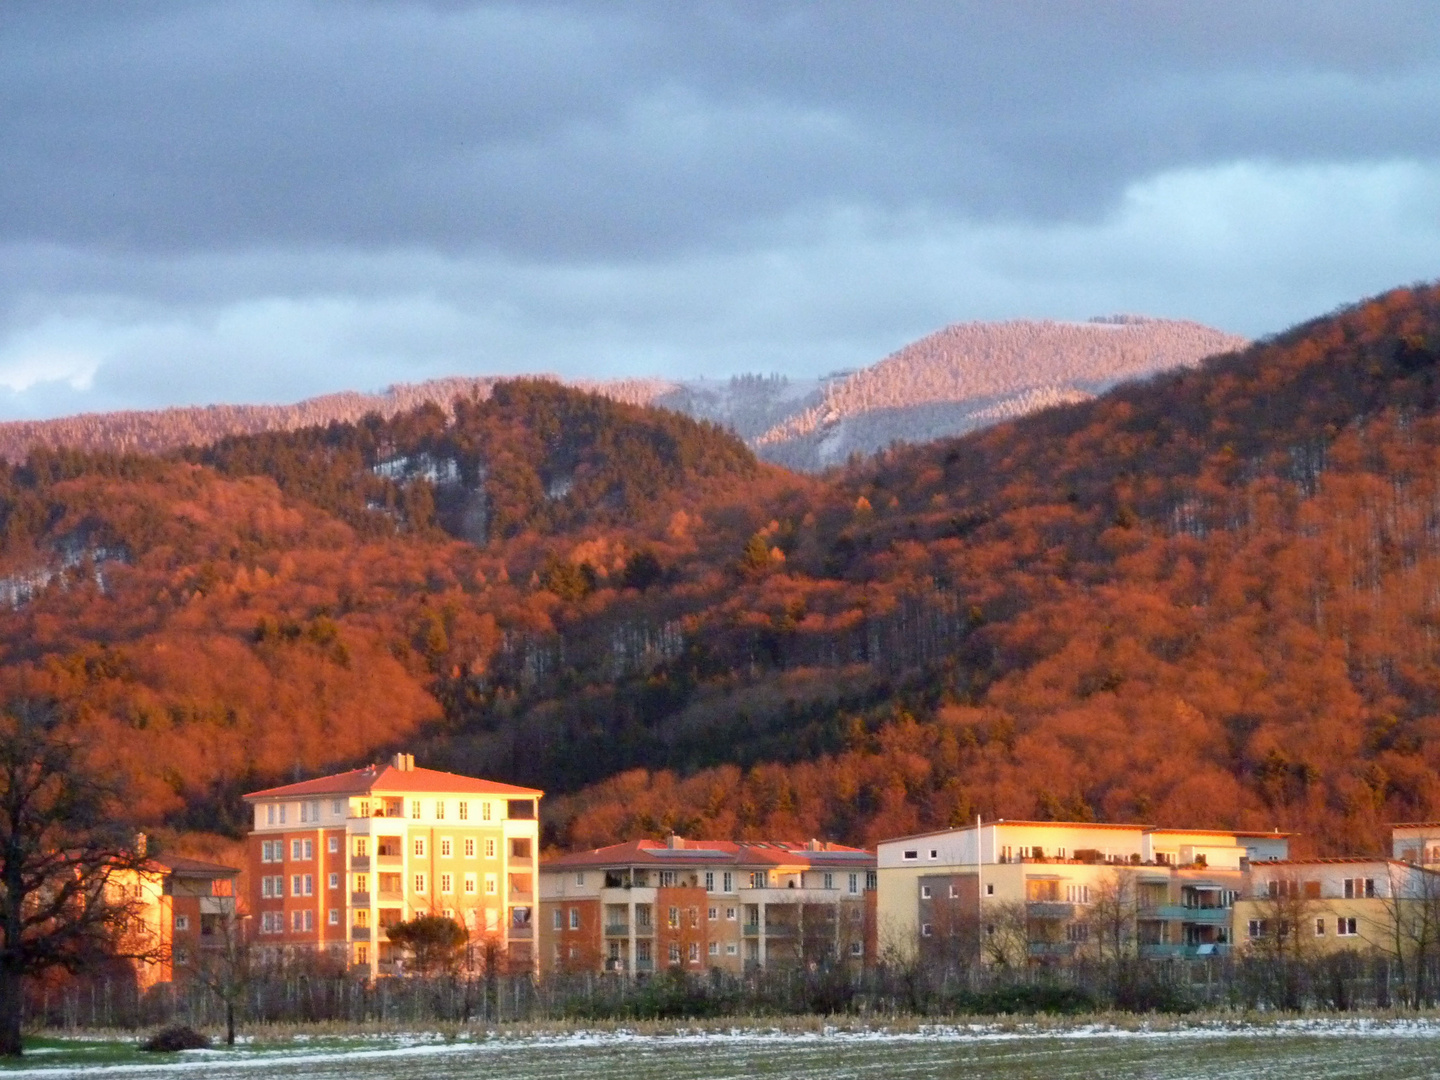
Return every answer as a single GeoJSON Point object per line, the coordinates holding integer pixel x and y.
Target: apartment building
{"type": "Point", "coordinates": [1031, 890]}
{"type": "Point", "coordinates": [183, 908]}
{"type": "Point", "coordinates": [1416, 842]}
{"type": "Point", "coordinates": [649, 905]}
{"type": "Point", "coordinates": [1327, 905]}
{"type": "Point", "coordinates": [336, 860]}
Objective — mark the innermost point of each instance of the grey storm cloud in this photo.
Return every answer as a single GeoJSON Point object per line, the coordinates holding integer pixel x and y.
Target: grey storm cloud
{"type": "Point", "coordinates": [203, 201]}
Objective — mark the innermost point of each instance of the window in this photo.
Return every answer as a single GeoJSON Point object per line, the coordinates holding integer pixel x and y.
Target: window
{"type": "Point", "coordinates": [727, 882]}
{"type": "Point", "coordinates": [297, 920]}
{"type": "Point", "coordinates": [732, 949]}
{"type": "Point", "coordinates": [490, 848]}
{"type": "Point", "coordinates": [419, 883]}
{"type": "Point", "coordinates": [989, 890]}
{"type": "Point", "coordinates": [574, 918]}
{"type": "Point", "coordinates": [445, 843]}
{"type": "Point", "coordinates": [182, 922]}
{"type": "Point", "coordinates": [362, 882]}
{"type": "Point", "coordinates": [694, 918]}
{"type": "Point", "coordinates": [470, 884]}
{"type": "Point", "coordinates": [934, 854]}
{"type": "Point", "coordinates": [282, 813]}
{"type": "Point", "coordinates": [954, 893]}
{"type": "Point", "coordinates": [667, 879]}
{"type": "Point", "coordinates": [439, 809]}
{"type": "Point", "coordinates": [924, 892]}
{"type": "Point", "coordinates": [729, 914]}
{"type": "Point", "coordinates": [334, 881]}
{"type": "Point", "coordinates": [910, 856]}
{"type": "Point", "coordinates": [828, 881]}
{"type": "Point", "coordinates": [713, 913]}
{"type": "Point", "coordinates": [1257, 928]}
{"type": "Point", "coordinates": [362, 847]}
{"type": "Point", "coordinates": [337, 807]}
{"type": "Point", "coordinates": [872, 880]}
{"type": "Point", "coordinates": [447, 884]}
{"type": "Point", "coordinates": [579, 879]}
{"type": "Point", "coordinates": [449, 913]}
{"type": "Point", "coordinates": [362, 954]}
{"type": "Point", "coordinates": [334, 916]}
{"type": "Point", "coordinates": [674, 920]}
{"type": "Point", "coordinates": [760, 879]}
{"type": "Point", "coordinates": [709, 880]}
{"type": "Point", "coordinates": [484, 811]}
{"type": "Point", "coordinates": [333, 845]}
{"type": "Point", "coordinates": [492, 884]}
{"type": "Point", "coordinates": [1359, 888]}
{"type": "Point", "coordinates": [1319, 927]}
{"type": "Point", "coordinates": [558, 919]}
{"type": "Point", "coordinates": [714, 948]}
{"type": "Point", "coordinates": [295, 885]}
{"type": "Point", "coordinates": [1345, 927]}
{"type": "Point", "coordinates": [674, 954]}
{"type": "Point", "coordinates": [854, 883]}
{"type": "Point", "coordinates": [694, 952]}
{"type": "Point", "coordinates": [364, 807]}
{"type": "Point", "coordinates": [926, 930]}
{"type": "Point", "coordinates": [309, 849]}
{"type": "Point", "coordinates": [415, 809]}
{"type": "Point", "coordinates": [469, 847]}
{"type": "Point", "coordinates": [419, 847]}
{"type": "Point", "coordinates": [270, 815]}
{"type": "Point", "coordinates": [463, 810]}
{"type": "Point", "coordinates": [1077, 933]}
{"type": "Point", "coordinates": [295, 850]}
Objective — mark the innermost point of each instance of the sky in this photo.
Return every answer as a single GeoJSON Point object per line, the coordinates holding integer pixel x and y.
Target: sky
{"type": "Point", "coordinates": [262, 201]}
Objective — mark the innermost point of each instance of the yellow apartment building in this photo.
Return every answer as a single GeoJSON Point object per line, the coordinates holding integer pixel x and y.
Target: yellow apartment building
{"type": "Point", "coordinates": [694, 905]}
{"type": "Point", "coordinates": [1315, 906]}
{"type": "Point", "coordinates": [335, 860]}
{"type": "Point", "coordinates": [1028, 891]}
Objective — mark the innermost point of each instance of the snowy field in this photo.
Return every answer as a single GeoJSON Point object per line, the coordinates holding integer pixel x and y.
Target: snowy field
{"type": "Point", "coordinates": [1312, 1050]}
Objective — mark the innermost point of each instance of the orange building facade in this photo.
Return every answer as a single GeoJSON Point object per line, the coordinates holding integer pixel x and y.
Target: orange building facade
{"type": "Point", "coordinates": [336, 860]}
{"type": "Point", "coordinates": [182, 908]}
{"type": "Point", "coordinates": [694, 905]}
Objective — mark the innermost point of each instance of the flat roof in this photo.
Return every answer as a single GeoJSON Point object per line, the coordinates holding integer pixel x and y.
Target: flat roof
{"type": "Point", "coordinates": [757, 853]}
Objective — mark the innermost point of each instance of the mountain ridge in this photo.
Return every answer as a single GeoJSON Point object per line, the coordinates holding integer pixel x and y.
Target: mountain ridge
{"type": "Point", "coordinates": [960, 378]}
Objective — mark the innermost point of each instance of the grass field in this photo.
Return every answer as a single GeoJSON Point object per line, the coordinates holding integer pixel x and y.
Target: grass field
{"type": "Point", "coordinates": [1318, 1050]}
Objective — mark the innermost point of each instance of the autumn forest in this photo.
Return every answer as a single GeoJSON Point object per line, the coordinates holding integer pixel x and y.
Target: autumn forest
{"type": "Point", "coordinates": [1208, 598]}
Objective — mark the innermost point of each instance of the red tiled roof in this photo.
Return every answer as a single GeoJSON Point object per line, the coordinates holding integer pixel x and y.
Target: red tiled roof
{"type": "Point", "coordinates": [386, 779]}
{"type": "Point", "coordinates": [714, 852]}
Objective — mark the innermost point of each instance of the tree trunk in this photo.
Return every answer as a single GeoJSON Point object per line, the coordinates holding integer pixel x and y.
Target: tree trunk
{"type": "Point", "coordinates": [11, 988]}
{"type": "Point", "coordinates": [229, 1021]}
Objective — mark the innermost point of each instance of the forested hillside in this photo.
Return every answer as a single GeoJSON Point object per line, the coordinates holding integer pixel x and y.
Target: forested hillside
{"type": "Point", "coordinates": [1205, 599]}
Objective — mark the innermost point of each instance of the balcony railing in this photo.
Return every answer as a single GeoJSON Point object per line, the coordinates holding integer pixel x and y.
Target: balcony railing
{"type": "Point", "coordinates": [360, 933]}
{"type": "Point", "coordinates": [359, 862]}
{"type": "Point", "coordinates": [382, 859]}
{"type": "Point", "coordinates": [359, 899]}
{"type": "Point", "coordinates": [644, 965]}
{"type": "Point", "coordinates": [618, 929]}
{"type": "Point", "coordinates": [1050, 909]}
{"type": "Point", "coordinates": [751, 929]}
{"type": "Point", "coordinates": [1207, 916]}
{"type": "Point", "coordinates": [391, 894]}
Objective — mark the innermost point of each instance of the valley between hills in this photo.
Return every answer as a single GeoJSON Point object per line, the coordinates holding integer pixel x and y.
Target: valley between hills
{"type": "Point", "coordinates": [1200, 588]}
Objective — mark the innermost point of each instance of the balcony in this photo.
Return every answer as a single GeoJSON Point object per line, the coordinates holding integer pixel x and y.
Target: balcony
{"type": "Point", "coordinates": [1205, 916]}
{"type": "Point", "coordinates": [359, 899]}
{"type": "Point", "coordinates": [618, 929]}
{"type": "Point", "coordinates": [360, 862]}
{"type": "Point", "coordinates": [1052, 948]}
{"type": "Point", "coordinates": [521, 933]}
{"type": "Point", "coordinates": [518, 897]}
{"type": "Point", "coordinates": [396, 895]}
{"type": "Point", "coordinates": [644, 966]}
{"type": "Point", "coordinates": [383, 859]}
{"type": "Point", "coordinates": [1185, 952]}
{"type": "Point", "coordinates": [751, 929]}
{"type": "Point", "coordinates": [360, 933]}
{"type": "Point", "coordinates": [1050, 909]}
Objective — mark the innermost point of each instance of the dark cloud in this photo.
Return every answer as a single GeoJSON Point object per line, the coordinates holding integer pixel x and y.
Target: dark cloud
{"type": "Point", "coordinates": [264, 199]}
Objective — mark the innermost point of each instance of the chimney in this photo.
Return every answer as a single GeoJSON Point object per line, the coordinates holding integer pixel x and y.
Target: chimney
{"type": "Point", "coordinates": [404, 762]}
{"type": "Point", "coordinates": [141, 842]}
{"type": "Point", "coordinates": [675, 843]}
